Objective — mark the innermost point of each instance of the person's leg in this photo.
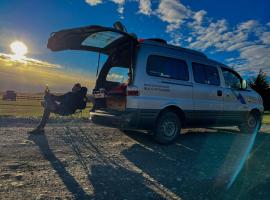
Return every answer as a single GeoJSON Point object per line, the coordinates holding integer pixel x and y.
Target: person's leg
{"type": "Point", "coordinates": [49, 103]}
{"type": "Point", "coordinates": [49, 106]}
{"type": "Point", "coordinates": [44, 120]}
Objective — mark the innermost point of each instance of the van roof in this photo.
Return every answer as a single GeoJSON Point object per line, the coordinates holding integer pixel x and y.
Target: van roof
{"type": "Point", "coordinates": [161, 44]}
{"type": "Point", "coordinates": [219, 63]}
{"type": "Point", "coordinates": [191, 51]}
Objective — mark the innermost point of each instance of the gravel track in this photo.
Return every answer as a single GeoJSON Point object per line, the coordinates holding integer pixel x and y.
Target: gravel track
{"type": "Point", "coordinates": [80, 160]}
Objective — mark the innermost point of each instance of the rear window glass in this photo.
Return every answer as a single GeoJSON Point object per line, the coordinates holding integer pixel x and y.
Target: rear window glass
{"type": "Point", "coordinates": [118, 74]}
{"type": "Point", "coordinates": [101, 39]}
{"type": "Point", "coordinates": [205, 74]}
{"type": "Point", "coordinates": [167, 67]}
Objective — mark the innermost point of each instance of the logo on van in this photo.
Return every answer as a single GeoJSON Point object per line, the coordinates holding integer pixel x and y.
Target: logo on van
{"type": "Point", "coordinates": [153, 87]}
{"type": "Point", "coordinates": [241, 99]}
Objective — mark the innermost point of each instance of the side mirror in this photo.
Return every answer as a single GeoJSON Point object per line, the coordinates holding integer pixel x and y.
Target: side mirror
{"type": "Point", "coordinates": [244, 84]}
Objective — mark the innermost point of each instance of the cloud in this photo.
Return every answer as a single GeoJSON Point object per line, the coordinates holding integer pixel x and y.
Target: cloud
{"type": "Point", "coordinates": [176, 39]}
{"type": "Point", "coordinates": [173, 12]}
{"type": "Point", "coordinates": [145, 7]}
{"type": "Point", "coordinates": [265, 38]}
{"type": "Point", "coordinates": [31, 75]}
{"type": "Point", "coordinates": [198, 16]}
{"type": "Point", "coordinates": [93, 2]}
{"type": "Point", "coordinates": [212, 35]}
{"type": "Point", "coordinates": [248, 25]}
{"type": "Point", "coordinates": [120, 4]}
{"type": "Point", "coordinates": [219, 35]}
{"type": "Point", "coordinates": [248, 40]}
{"type": "Point", "coordinates": [254, 57]}
{"type": "Point", "coordinates": [120, 8]}
{"type": "Point", "coordinates": [27, 61]}
{"type": "Point", "coordinates": [115, 77]}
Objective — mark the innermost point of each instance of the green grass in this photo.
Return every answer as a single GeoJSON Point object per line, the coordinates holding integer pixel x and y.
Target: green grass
{"type": "Point", "coordinates": [29, 108]}
{"type": "Point", "coordinates": [266, 118]}
{"type": "Point", "coordinates": [33, 108]}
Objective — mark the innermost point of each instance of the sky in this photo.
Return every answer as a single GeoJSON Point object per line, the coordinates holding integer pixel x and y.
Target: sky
{"type": "Point", "coordinates": [236, 33]}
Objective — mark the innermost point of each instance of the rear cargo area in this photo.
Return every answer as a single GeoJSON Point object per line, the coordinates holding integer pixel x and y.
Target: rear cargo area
{"type": "Point", "coordinates": [113, 80]}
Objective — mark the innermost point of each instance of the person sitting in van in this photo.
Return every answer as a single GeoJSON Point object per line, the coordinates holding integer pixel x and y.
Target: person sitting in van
{"type": "Point", "coordinates": [65, 104]}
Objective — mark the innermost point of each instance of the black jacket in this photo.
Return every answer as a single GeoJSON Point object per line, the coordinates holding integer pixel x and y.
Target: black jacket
{"type": "Point", "coordinates": [71, 101]}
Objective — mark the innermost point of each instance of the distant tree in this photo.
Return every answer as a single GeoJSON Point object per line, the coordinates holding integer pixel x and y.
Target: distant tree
{"type": "Point", "coordinates": [261, 85]}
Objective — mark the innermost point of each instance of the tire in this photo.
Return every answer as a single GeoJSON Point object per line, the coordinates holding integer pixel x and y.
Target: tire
{"type": "Point", "coordinates": [168, 127]}
{"type": "Point", "coordinates": [252, 122]}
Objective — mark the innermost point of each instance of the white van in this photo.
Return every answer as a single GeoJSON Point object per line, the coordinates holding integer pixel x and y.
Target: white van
{"type": "Point", "coordinates": [151, 85]}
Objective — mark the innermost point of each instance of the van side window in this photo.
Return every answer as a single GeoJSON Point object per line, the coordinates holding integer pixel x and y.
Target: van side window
{"type": "Point", "coordinates": [205, 74]}
{"type": "Point", "coordinates": [232, 80]}
{"type": "Point", "coordinates": [212, 75]}
{"type": "Point", "coordinates": [167, 67]}
{"type": "Point", "coordinates": [199, 73]}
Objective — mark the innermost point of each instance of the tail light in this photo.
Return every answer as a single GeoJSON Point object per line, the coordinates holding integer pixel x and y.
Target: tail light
{"type": "Point", "coordinates": [132, 91]}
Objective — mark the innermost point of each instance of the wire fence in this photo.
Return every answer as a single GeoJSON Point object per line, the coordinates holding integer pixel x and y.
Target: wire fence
{"type": "Point", "coordinates": [29, 98]}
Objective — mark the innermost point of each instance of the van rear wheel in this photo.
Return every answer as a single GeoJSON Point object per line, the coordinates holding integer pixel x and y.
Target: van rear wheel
{"type": "Point", "coordinates": [252, 122]}
{"type": "Point", "coordinates": [167, 128]}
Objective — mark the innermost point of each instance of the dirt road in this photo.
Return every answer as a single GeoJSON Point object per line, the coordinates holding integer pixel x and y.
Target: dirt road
{"type": "Point", "coordinates": [80, 160]}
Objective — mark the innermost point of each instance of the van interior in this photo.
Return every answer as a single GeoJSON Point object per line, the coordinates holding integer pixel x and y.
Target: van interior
{"type": "Point", "coordinates": [112, 80]}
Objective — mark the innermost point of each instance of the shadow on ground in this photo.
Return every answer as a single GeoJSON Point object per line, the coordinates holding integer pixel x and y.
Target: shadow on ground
{"type": "Point", "coordinates": [207, 165]}
{"type": "Point", "coordinates": [70, 182]}
{"type": "Point", "coordinates": [110, 178]}
{"type": "Point", "coordinates": [197, 166]}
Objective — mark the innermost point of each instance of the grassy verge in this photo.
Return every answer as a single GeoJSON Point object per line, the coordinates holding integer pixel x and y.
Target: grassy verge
{"type": "Point", "coordinates": [33, 108]}
{"type": "Point", "coordinates": [29, 108]}
{"type": "Point", "coordinates": [266, 118]}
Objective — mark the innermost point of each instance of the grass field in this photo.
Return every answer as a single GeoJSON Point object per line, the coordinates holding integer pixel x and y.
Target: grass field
{"type": "Point", "coordinates": [33, 108]}
{"type": "Point", "coordinates": [266, 118]}
{"type": "Point", "coordinates": [29, 108]}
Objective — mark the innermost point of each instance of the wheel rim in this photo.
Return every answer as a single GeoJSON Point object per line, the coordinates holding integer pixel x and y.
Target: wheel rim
{"type": "Point", "coordinates": [169, 128]}
{"type": "Point", "coordinates": [252, 121]}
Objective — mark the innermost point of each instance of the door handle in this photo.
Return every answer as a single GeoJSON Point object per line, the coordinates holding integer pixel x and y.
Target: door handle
{"type": "Point", "coordinates": [219, 93]}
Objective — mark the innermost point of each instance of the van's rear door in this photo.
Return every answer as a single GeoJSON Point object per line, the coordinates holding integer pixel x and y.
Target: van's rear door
{"type": "Point", "coordinates": [90, 38]}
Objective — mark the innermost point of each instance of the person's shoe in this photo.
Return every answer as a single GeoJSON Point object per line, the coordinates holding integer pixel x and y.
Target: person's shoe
{"type": "Point", "coordinates": [37, 131]}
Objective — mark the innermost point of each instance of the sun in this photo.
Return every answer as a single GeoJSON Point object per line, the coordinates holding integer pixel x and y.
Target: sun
{"type": "Point", "coordinates": [19, 48]}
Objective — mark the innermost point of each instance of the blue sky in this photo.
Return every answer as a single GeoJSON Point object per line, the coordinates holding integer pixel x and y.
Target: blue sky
{"type": "Point", "coordinates": [234, 32]}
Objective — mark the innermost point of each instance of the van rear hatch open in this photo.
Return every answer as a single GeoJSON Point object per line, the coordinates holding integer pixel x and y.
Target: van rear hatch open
{"type": "Point", "coordinates": [94, 38]}
{"type": "Point", "coordinates": [114, 43]}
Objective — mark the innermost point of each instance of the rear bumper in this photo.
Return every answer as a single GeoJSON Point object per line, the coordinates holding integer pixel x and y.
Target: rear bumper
{"type": "Point", "coordinates": [128, 119]}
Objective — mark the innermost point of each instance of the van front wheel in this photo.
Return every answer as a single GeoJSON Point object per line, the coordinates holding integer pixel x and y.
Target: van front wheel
{"type": "Point", "coordinates": [167, 128]}
{"type": "Point", "coordinates": [253, 122]}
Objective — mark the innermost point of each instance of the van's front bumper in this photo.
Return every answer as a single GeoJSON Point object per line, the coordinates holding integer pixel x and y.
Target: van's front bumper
{"type": "Point", "coordinates": [128, 119]}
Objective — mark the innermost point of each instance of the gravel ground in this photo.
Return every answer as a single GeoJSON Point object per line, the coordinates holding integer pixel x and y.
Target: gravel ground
{"type": "Point", "coordinates": [80, 160]}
